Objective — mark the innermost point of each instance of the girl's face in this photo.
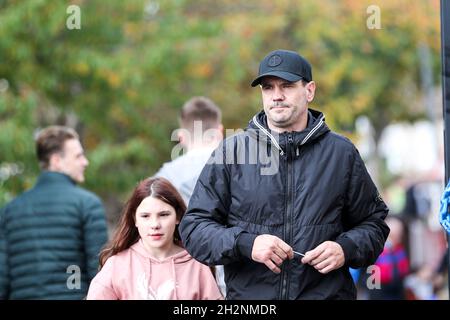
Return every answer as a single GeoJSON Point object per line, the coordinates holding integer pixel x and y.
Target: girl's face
{"type": "Point", "coordinates": [156, 221]}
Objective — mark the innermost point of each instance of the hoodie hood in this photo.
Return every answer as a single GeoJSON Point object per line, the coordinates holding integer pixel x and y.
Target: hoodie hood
{"type": "Point", "coordinates": [180, 257]}
{"type": "Point", "coordinates": [315, 129]}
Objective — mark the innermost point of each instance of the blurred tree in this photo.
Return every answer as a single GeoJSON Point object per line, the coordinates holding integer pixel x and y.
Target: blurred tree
{"type": "Point", "coordinates": [121, 79]}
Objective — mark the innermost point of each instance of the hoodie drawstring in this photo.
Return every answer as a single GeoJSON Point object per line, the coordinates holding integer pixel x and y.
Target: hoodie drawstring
{"type": "Point", "coordinates": [313, 130]}
{"type": "Point", "coordinates": [267, 133]}
{"type": "Point", "coordinates": [174, 279]}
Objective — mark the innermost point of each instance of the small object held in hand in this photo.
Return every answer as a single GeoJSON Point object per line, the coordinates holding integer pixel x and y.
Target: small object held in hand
{"type": "Point", "coordinates": [298, 253]}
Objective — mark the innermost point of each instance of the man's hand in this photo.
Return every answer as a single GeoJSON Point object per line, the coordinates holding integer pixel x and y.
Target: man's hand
{"type": "Point", "coordinates": [271, 251]}
{"type": "Point", "coordinates": [326, 257]}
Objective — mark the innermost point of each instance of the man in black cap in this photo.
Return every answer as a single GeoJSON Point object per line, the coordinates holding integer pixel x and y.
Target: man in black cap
{"type": "Point", "coordinates": [291, 233]}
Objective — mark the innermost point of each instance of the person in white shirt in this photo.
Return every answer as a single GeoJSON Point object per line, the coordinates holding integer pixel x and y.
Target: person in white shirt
{"type": "Point", "coordinates": [200, 132]}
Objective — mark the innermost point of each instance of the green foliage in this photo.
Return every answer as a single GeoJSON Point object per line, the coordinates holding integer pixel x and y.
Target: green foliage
{"type": "Point", "coordinates": [121, 79]}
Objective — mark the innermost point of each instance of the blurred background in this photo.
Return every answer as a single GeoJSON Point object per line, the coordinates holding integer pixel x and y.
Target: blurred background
{"type": "Point", "coordinates": [122, 77]}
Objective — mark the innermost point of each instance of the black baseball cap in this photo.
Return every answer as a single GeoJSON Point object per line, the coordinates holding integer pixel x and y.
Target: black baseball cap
{"type": "Point", "coordinates": [285, 64]}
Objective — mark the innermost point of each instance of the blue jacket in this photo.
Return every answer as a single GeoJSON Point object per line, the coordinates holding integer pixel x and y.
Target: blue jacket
{"type": "Point", "coordinates": [50, 238]}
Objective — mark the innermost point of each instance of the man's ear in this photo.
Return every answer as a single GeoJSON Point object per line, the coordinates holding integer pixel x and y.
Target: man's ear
{"type": "Point", "coordinates": [54, 163]}
{"type": "Point", "coordinates": [310, 91]}
{"type": "Point", "coordinates": [181, 134]}
{"type": "Point", "coordinates": [220, 128]}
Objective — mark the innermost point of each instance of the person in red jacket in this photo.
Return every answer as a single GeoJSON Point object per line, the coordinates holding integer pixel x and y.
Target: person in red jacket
{"type": "Point", "coordinates": [393, 264]}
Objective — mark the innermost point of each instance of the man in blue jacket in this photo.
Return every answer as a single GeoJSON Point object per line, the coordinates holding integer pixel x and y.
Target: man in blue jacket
{"type": "Point", "coordinates": [287, 205]}
{"type": "Point", "coordinates": [51, 235]}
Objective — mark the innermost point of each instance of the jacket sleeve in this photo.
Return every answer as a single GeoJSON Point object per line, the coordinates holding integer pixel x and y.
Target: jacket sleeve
{"type": "Point", "coordinates": [4, 269]}
{"type": "Point", "coordinates": [101, 287]}
{"type": "Point", "coordinates": [204, 229]}
{"type": "Point", "coordinates": [95, 234]}
{"type": "Point", "coordinates": [363, 218]}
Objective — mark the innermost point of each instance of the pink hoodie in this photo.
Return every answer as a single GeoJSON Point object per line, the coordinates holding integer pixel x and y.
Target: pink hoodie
{"type": "Point", "coordinates": [134, 275]}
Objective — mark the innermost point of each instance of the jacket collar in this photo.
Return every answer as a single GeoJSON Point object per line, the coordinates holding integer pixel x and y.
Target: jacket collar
{"type": "Point", "coordinates": [51, 177]}
{"type": "Point", "coordinates": [316, 127]}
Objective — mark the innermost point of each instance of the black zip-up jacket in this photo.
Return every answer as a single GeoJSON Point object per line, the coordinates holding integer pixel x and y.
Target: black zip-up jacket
{"type": "Point", "coordinates": [304, 187]}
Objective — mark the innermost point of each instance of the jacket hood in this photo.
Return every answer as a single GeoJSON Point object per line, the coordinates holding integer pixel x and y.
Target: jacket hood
{"type": "Point", "coordinates": [315, 129]}
{"type": "Point", "coordinates": [180, 257]}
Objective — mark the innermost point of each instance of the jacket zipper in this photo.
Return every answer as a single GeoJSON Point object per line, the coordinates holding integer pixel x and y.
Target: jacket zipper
{"type": "Point", "coordinates": [287, 231]}
{"type": "Point", "coordinates": [288, 217]}
{"type": "Point", "coordinates": [274, 141]}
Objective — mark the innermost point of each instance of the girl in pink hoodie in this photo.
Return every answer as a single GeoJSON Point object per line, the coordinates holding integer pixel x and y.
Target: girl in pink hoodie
{"type": "Point", "coordinates": [145, 259]}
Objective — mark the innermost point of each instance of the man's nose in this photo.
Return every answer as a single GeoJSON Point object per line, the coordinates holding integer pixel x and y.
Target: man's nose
{"type": "Point", "coordinates": [85, 161]}
{"type": "Point", "coordinates": [277, 94]}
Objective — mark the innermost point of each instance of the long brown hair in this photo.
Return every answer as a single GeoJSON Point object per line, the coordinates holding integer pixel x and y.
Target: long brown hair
{"type": "Point", "coordinates": [126, 233]}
